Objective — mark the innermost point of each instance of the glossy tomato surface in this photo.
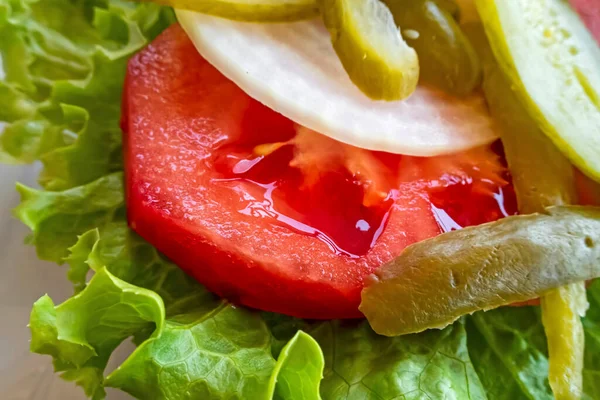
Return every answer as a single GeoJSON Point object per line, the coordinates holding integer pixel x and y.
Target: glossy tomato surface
{"type": "Point", "coordinates": [294, 228]}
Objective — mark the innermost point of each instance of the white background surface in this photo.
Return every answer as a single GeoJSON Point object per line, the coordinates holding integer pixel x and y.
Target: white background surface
{"type": "Point", "coordinates": [24, 279]}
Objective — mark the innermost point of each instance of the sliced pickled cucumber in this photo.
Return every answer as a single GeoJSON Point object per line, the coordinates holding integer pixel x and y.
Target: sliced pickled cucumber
{"type": "Point", "coordinates": [446, 57]}
{"type": "Point", "coordinates": [371, 48]}
{"type": "Point", "coordinates": [553, 63]}
{"type": "Point", "coordinates": [542, 177]}
{"type": "Point", "coordinates": [433, 282]}
{"type": "Point", "coordinates": [562, 309]}
{"type": "Point", "coordinates": [468, 11]}
{"type": "Point", "coordinates": [249, 10]}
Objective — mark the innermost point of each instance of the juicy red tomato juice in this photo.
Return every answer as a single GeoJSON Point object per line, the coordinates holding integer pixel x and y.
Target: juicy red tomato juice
{"type": "Point", "coordinates": [332, 210]}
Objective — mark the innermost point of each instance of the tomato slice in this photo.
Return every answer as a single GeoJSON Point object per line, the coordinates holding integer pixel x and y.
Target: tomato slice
{"type": "Point", "coordinates": [279, 230]}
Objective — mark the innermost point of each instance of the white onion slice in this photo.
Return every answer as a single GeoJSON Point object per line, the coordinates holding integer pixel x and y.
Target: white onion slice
{"type": "Point", "coordinates": [293, 69]}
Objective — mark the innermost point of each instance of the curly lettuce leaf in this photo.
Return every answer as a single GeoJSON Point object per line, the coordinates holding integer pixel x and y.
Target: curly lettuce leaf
{"type": "Point", "coordinates": [224, 353]}
{"type": "Point", "coordinates": [64, 63]}
{"type": "Point", "coordinates": [134, 260]}
{"type": "Point", "coordinates": [509, 351]}
{"type": "Point", "coordinates": [56, 218]}
{"type": "Point", "coordinates": [495, 377]}
{"type": "Point", "coordinates": [514, 338]}
{"type": "Point", "coordinates": [591, 324]}
{"type": "Point", "coordinates": [78, 259]}
{"type": "Point", "coordinates": [81, 333]}
{"type": "Point", "coordinates": [299, 369]}
{"type": "Point", "coordinates": [359, 364]}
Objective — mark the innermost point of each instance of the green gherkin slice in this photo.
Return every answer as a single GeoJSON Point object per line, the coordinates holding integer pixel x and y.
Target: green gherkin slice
{"type": "Point", "coordinates": [542, 177]}
{"type": "Point", "coordinates": [249, 10]}
{"type": "Point", "coordinates": [553, 62]}
{"type": "Point", "coordinates": [433, 282]}
{"type": "Point", "coordinates": [371, 48]}
{"type": "Point", "coordinates": [446, 57]}
{"type": "Point", "coordinates": [562, 309]}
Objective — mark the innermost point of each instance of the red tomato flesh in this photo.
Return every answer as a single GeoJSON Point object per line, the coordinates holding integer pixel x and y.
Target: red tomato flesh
{"type": "Point", "coordinates": [249, 227]}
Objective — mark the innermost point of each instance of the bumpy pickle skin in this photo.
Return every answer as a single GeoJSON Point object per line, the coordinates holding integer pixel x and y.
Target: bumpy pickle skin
{"type": "Point", "coordinates": [447, 58]}
{"type": "Point", "coordinates": [518, 258]}
{"type": "Point", "coordinates": [371, 48]}
{"type": "Point", "coordinates": [249, 10]}
{"type": "Point", "coordinates": [553, 62]}
{"type": "Point", "coordinates": [542, 177]}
